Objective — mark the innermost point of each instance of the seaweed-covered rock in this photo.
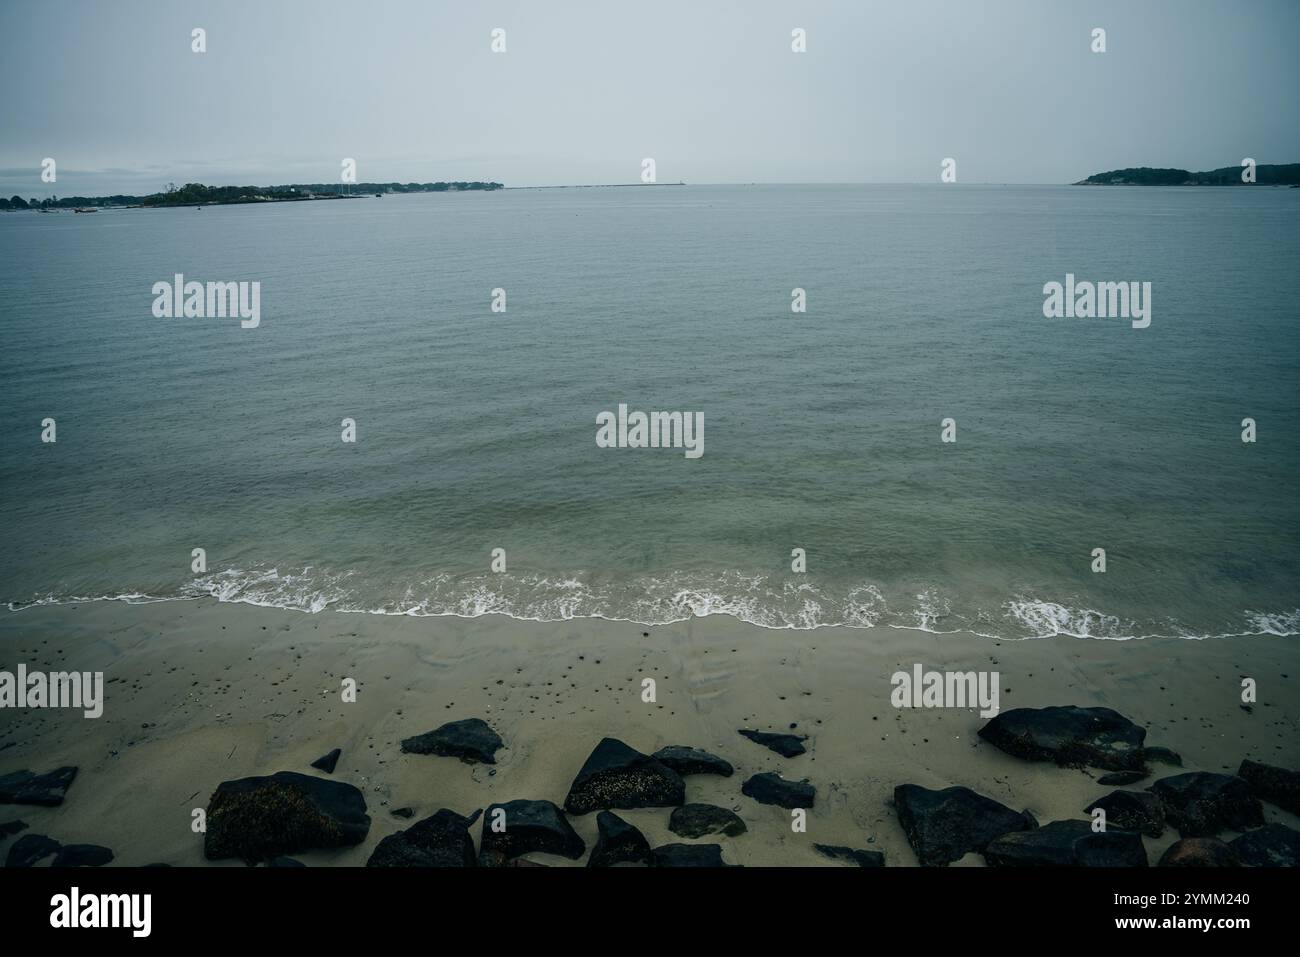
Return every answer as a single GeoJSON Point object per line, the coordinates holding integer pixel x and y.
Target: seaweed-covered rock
{"type": "Point", "coordinates": [471, 740]}
{"type": "Point", "coordinates": [1199, 852]}
{"type": "Point", "coordinates": [770, 788]}
{"type": "Point", "coordinates": [1132, 811]}
{"type": "Point", "coordinates": [851, 856]}
{"type": "Point", "coordinates": [29, 849]}
{"type": "Point", "coordinates": [786, 745]}
{"type": "Point", "coordinates": [260, 818]}
{"type": "Point", "coordinates": [944, 825]}
{"type": "Point", "coordinates": [1070, 736]}
{"type": "Point", "coordinates": [526, 826]}
{"type": "Point", "coordinates": [1067, 844]}
{"type": "Point", "coordinates": [82, 855]}
{"type": "Point", "coordinates": [1202, 803]}
{"type": "Point", "coordinates": [686, 760]}
{"type": "Point", "coordinates": [43, 790]}
{"type": "Point", "coordinates": [1273, 845]}
{"type": "Point", "coordinates": [697, 820]}
{"type": "Point", "coordinates": [1275, 785]}
{"type": "Point", "coordinates": [688, 855]}
{"type": "Point", "coordinates": [618, 843]}
{"type": "Point", "coordinates": [617, 776]}
{"type": "Point", "coordinates": [440, 840]}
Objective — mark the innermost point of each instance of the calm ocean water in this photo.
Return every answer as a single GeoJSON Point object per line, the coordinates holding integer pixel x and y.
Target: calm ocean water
{"type": "Point", "coordinates": [476, 430]}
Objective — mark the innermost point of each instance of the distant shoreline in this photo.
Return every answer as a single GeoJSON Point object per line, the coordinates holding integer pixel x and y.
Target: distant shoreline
{"type": "Point", "coordinates": [1287, 174]}
{"type": "Point", "coordinates": [197, 194]}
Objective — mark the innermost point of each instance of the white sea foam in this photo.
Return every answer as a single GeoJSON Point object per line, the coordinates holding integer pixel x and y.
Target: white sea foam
{"type": "Point", "coordinates": [130, 598]}
{"type": "Point", "coordinates": [1047, 619]}
{"type": "Point", "coordinates": [768, 602]}
{"type": "Point", "coordinates": [269, 589]}
{"type": "Point", "coordinates": [1274, 623]}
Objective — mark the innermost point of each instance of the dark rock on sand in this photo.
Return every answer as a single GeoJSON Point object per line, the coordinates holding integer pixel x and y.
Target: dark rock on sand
{"type": "Point", "coordinates": [686, 760]}
{"type": "Point", "coordinates": [285, 862]}
{"type": "Point", "coordinates": [31, 848]}
{"type": "Point", "coordinates": [696, 820]}
{"type": "Point", "coordinates": [260, 818]}
{"type": "Point", "coordinates": [617, 776]}
{"type": "Point", "coordinates": [786, 745]}
{"type": "Point", "coordinates": [1202, 803]}
{"type": "Point", "coordinates": [1199, 852]}
{"type": "Point", "coordinates": [403, 812]}
{"type": "Point", "coordinates": [1070, 736]}
{"type": "Point", "coordinates": [619, 843]}
{"type": "Point", "coordinates": [770, 788]}
{"type": "Point", "coordinates": [44, 790]}
{"type": "Point", "coordinates": [1163, 756]}
{"type": "Point", "coordinates": [12, 827]}
{"type": "Point", "coordinates": [328, 762]}
{"type": "Point", "coordinates": [82, 855]}
{"type": "Point", "coordinates": [1273, 845]}
{"type": "Point", "coordinates": [1067, 844]}
{"type": "Point", "coordinates": [943, 826]}
{"type": "Point", "coordinates": [441, 840]}
{"type": "Point", "coordinates": [471, 740]}
{"type": "Point", "coordinates": [851, 856]}
{"type": "Point", "coordinates": [528, 826]}
{"type": "Point", "coordinates": [688, 855]}
{"type": "Point", "coordinates": [1132, 811]}
{"type": "Point", "coordinates": [1276, 785]}
{"type": "Point", "coordinates": [1117, 779]}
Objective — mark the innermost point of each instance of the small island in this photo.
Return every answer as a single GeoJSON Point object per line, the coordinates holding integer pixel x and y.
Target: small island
{"type": "Point", "coordinates": [196, 194]}
{"type": "Point", "coordinates": [1285, 174]}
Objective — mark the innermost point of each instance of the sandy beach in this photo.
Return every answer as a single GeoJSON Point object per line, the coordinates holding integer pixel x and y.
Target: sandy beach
{"type": "Point", "coordinates": [199, 692]}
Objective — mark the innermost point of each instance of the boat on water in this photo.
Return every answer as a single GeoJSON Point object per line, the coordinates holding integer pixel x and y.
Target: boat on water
{"type": "Point", "coordinates": [85, 209]}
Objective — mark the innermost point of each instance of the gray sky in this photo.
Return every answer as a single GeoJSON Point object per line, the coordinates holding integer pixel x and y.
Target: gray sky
{"type": "Point", "coordinates": [710, 90]}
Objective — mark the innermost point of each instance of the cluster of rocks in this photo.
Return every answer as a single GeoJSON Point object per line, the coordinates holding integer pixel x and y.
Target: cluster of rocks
{"type": "Point", "coordinates": [267, 819]}
{"type": "Point", "coordinates": [30, 849]}
{"type": "Point", "coordinates": [44, 790]}
{"type": "Point", "coordinates": [944, 825]}
{"type": "Point", "coordinates": [615, 776]}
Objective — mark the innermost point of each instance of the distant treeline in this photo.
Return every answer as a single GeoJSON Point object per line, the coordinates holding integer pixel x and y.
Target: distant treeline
{"type": "Point", "coordinates": [17, 202]}
{"type": "Point", "coordinates": [195, 194]}
{"type": "Point", "coordinates": [1286, 174]}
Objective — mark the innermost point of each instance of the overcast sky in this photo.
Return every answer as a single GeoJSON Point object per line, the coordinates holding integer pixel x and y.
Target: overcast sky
{"type": "Point", "coordinates": [710, 90]}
